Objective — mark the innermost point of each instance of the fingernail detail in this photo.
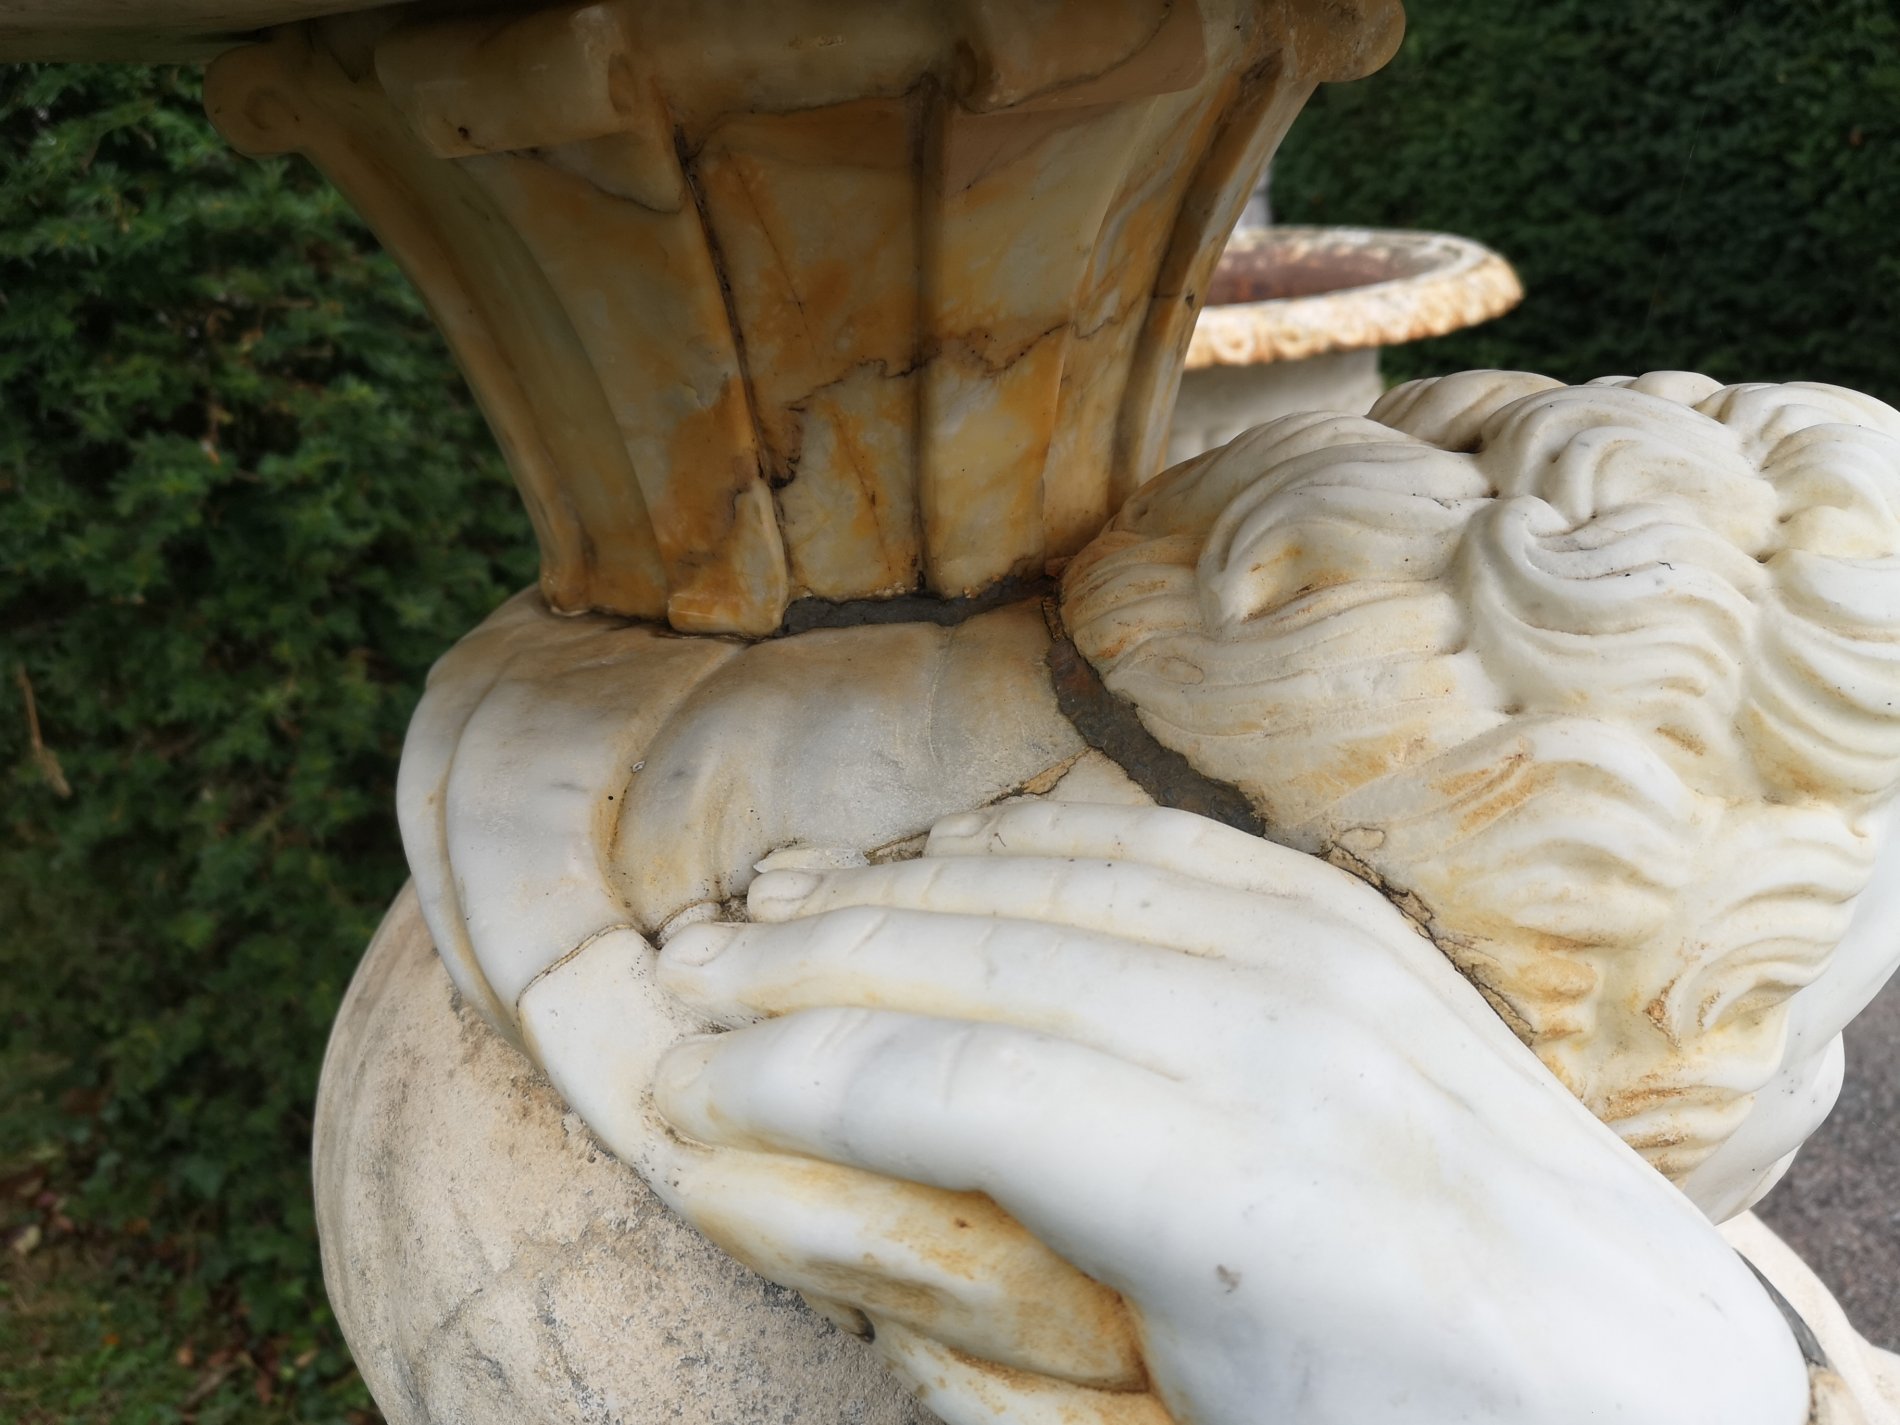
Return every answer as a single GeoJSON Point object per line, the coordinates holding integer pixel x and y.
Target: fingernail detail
{"type": "Point", "coordinates": [964, 823]}
{"type": "Point", "coordinates": [696, 945]}
{"type": "Point", "coordinates": [678, 1071]}
{"type": "Point", "coordinates": [781, 890]}
{"type": "Point", "coordinates": [696, 914]}
{"type": "Point", "coordinates": [812, 858]}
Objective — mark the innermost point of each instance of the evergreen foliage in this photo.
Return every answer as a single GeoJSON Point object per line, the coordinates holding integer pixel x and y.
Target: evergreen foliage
{"type": "Point", "coordinates": [1702, 184]}
{"type": "Point", "coordinates": [244, 502]}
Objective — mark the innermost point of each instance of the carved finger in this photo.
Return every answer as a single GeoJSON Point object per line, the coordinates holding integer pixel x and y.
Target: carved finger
{"type": "Point", "coordinates": [1139, 1002]}
{"type": "Point", "coordinates": [966, 1391]}
{"type": "Point", "coordinates": [597, 1025]}
{"type": "Point", "coordinates": [1167, 840]}
{"type": "Point", "coordinates": [1127, 899]}
{"type": "Point", "coordinates": [950, 1265]}
{"type": "Point", "coordinates": [985, 1286]}
{"type": "Point", "coordinates": [1034, 1121]}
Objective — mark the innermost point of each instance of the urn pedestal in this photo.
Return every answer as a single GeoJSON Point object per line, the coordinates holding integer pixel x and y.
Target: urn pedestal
{"type": "Point", "coordinates": [786, 314]}
{"type": "Point", "coordinates": [828, 299]}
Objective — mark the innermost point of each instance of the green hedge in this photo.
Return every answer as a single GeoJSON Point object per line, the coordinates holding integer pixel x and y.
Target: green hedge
{"type": "Point", "coordinates": [244, 502]}
{"type": "Point", "coordinates": [1713, 186]}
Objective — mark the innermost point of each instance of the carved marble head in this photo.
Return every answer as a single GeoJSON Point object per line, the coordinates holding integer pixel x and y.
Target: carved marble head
{"type": "Point", "coordinates": [1605, 679]}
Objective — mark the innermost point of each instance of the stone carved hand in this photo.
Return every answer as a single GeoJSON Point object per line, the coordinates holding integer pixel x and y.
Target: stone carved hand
{"type": "Point", "coordinates": [1232, 1083]}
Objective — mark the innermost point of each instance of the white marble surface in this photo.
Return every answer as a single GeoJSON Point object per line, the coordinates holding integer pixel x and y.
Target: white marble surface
{"type": "Point", "coordinates": [1109, 1113]}
{"type": "Point", "coordinates": [1327, 1181]}
{"type": "Point", "coordinates": [1606, 678]}
{"type": "Point", "coordinates": [494, 1262]}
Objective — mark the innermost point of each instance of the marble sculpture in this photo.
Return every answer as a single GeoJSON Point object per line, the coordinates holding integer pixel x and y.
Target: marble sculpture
{"type": "Point", "coordinates": [1563, 722]}
{"type": "Point", "coordinates": [1339, 932]}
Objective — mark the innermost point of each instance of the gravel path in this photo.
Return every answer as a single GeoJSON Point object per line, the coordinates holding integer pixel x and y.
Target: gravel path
{"type": "Point", "coordinates": [1839, 1206]}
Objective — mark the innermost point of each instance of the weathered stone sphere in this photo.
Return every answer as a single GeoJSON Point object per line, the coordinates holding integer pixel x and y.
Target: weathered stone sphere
{"type": "Point", "coordinates": [491, 1264]}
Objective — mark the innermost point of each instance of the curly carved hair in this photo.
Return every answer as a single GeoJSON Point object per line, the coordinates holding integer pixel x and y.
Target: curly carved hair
{"type": "Point", "coordinates": [1607, 677]}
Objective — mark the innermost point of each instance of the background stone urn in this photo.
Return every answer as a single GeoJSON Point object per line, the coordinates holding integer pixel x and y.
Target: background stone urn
{"type": "Point", "coordinates": [1296, 317]}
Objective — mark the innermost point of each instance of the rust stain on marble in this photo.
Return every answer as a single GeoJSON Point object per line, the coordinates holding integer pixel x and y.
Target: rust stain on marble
{"type": "Point", "coordinates": [970, 1273]}
{"type": "Point", "coordinates": [862, 300]}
